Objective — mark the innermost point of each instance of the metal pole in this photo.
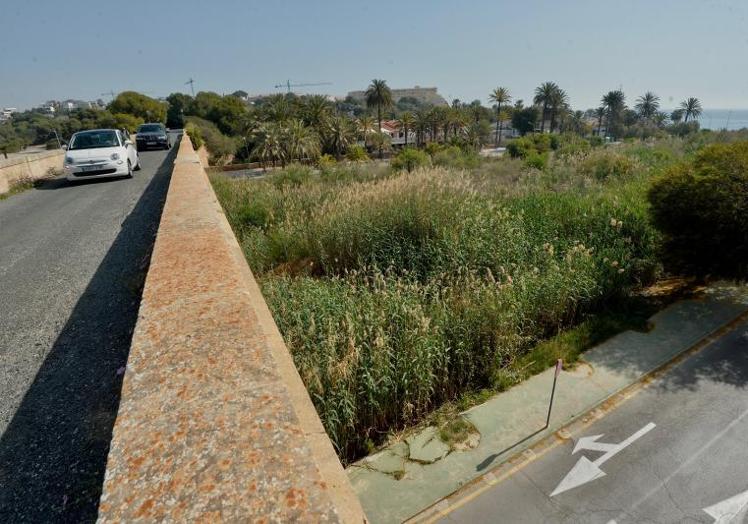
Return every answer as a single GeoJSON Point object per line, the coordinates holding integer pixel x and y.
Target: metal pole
{"type": "Point", "coordinates": [557, 372]}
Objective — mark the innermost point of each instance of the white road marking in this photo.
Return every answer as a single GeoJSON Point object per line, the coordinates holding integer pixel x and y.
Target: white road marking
{"type": "Point", "coordinates": [585, 470]}
{"type": "Point", "coordinates": [730, 511]}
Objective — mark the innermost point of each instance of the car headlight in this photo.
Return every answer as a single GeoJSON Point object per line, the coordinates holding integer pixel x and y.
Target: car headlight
{"type": "Point", "coordinates": [115, 156]}
{"type": "Point", "coordinates": [69, 160]}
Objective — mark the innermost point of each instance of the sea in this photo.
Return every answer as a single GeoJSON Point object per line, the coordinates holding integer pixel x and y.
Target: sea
{"type": "Point", "coordinates": [730, 119]}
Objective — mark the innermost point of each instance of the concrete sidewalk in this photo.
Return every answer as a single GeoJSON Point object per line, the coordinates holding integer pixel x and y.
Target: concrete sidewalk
{"type": "Point", "coordinates": [399, 482]}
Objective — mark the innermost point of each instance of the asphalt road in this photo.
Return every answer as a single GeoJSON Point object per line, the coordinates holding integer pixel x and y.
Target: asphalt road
{"type": "Point", "coordinates": [73, 257]}
{"type": "Point", "coordinates": [675, 452]}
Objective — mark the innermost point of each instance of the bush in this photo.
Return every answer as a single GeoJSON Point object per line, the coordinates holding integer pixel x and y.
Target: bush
{"type": "Point", "coordinates": [220, 147]}
{"type": "Point", "coordinates": [410, 159]}
{"type": "Point", "coordinates": [527, 145]}
{"type": "Point", "coordinates": [536, 160]}
{"type": "Point", "coordinates": [326, 162]}
{"type": "Point", "coordinates": [701, 207]}
{"type": "Point", "coordinates": [196, 137]}
{"type": "Point", "coordinates": [456, 157]}
{"type": "Point", "coordinates": [357, 153]}
{"type": "Point", "coordinates": [608, 164]}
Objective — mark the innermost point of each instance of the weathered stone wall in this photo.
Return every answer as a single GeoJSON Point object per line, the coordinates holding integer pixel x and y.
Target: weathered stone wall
{"type": "Point", "coordinates": [214, 423]}
{"type": "Point", "coordinates": [29, 167]}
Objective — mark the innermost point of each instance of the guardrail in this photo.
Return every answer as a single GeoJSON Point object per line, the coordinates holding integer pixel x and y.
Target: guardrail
{"type": "Point", "coordinates": [214, 422]}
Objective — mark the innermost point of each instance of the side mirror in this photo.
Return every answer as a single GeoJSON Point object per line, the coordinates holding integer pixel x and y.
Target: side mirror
{"type": "Point", "coordinates": [128, 142]}
{"type": "Point", "coordinates": [168, 130]}
{"type": "Point", "coordinates": [64, 146]}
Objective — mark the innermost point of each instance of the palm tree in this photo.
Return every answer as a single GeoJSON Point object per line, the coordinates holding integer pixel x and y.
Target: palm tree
{"type": "Point", "coordinates": [300, 142]}
{"type": "Point", "coordinates": [599, 113]}
{"type": "Point", "coordinates": [270, 145]}
{"type": "Point", "coordinates": [691, 107]}
{"type": "Point", "coordinates": [614, 103]}
{"type": "Point", "coordinates": [499, 96]}
{"type": "Point", "coordinates": [407, 120]}
{"type": "Point", "coordinates": [421, 125]}
{"type": "Point", "coordinates": [676, 116]}
{"type": "Point", "coordinates": [647, 105]}
{"type": "Point", "coordinates": [315, 110]}
{"type": "Point", "coordinates": [543, 96]}
{"type": "Point", "coordinates": [340, 132]}
{"type": "Point", "coordinates": [277, 108]}
{"type": "Point", "coordinates": [558, 103]}
{"type": "Point", "coordinates": [378, 94]}
{"type": "Point", "coordinates": [365, 123]}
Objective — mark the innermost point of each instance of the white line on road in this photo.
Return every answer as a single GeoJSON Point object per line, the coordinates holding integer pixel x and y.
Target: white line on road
{"type": "Point", "coordinates": [729, 511]}
{"type": "Point", "coordinates": [584, 470]}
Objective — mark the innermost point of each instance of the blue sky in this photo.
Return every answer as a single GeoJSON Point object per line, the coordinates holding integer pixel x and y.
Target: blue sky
{"type": "Point", "coordinates": [81, 49]}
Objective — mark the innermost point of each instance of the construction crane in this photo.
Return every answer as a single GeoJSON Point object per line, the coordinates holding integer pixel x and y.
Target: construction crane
{"type": "Point", "coordinates": [192, 85]}
{"type": "Point", "coordinates": [288, 85]}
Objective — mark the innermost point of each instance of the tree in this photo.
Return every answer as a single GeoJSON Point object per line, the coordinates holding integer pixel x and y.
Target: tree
{"type": "Point", "coordinates": [339, 133]}
{"type": "Point", "coordinates": [647, 105]}
{"type": "Point", "coordinates": [178, 106]}
{"type": "Point", "coordinates": [558, 103]}
{"type": "Point", "coordinates": [499, 96]}
{"type": "Point", "coordinates": [378, 95]}
{"type": "Point", "coordinates": [421, 125]}
{"type": "Point", "coordinates": [135, 104]}
{"type": "Point", "coordinates": [300, 141]}
{"type": "Point", "coordinates": [544, 94]}
{"type": "Point", "coordinates": [407, 120]}
{"type": "Point", "coordinates": [270, 146]}
{"type": "Point", "coordinates": [614, 102]}
{"type": "Point", "coordinates": [676, 116]}
{"type": "Point", "coordinates": [315, 111]}
{"type": "Point", "coordinates": [525, 119]}
{"type": "Point", "coordinates": [365, 123]}
{"type": "Point", "coordinates": [691, 108]}
{"type": "Point", "coordinates": [599, 114]}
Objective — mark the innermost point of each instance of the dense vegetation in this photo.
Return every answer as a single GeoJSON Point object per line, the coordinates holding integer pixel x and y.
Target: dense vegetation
{"type": "Point", "coordinates": [702, 208]}
{"type": "Point", "coordinates": [397, 291]}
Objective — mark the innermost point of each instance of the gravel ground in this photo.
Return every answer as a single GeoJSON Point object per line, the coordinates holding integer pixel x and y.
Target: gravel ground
{"type": "Point", "coordinates": [72, 262]}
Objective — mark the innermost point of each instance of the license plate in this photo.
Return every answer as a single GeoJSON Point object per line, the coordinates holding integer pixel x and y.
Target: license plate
{"type": "Point", "coordinates": [89, 168]}
{"type": "Point", "coordinates": [151, 143]}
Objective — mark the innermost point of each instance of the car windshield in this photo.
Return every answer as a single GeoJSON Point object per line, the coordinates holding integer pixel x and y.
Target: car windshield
{"type": "Point", "coordinates": [150, 128]}
{"type": "Point", "coordinates": [94, 139]}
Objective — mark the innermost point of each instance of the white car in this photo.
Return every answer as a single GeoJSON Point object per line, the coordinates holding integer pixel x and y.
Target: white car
{"type": "Point", "coordinates": [100, 153]}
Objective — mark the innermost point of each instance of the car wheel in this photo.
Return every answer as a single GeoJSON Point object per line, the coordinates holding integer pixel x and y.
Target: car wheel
{"type": "Point", "coordinates": [129, 169]}
{"type": "Point", "coordinates": [137, 166]}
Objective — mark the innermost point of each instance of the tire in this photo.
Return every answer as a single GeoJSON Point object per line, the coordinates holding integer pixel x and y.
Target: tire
{"type": "Point", "coordinates": [129, 169]}
{"type": "Point", "coordinates": [137, 166]}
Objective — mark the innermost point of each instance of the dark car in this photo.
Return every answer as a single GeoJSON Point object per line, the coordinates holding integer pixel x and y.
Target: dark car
{"type": "Point", "coordinates": [152, 136]}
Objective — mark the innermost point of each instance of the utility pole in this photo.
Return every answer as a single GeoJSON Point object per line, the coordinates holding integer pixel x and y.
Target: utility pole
{"type": "Point", "coordinates": [191, 82]}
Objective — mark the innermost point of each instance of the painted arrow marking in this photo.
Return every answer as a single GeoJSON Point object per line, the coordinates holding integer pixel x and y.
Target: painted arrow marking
{"type": "Point", "coordinates": [585, 470]}
{"type": "Point", "coordinates": [730, 511]}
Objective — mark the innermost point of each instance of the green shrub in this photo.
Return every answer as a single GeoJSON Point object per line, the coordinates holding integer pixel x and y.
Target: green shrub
{"type": "Point", "coordinates": [527, 145]}
{"type": "Point", "coordinates": [456, 157]}
{"type": "Point", "coordinates": [221, 148]}
{"type": "Point", "coordinates": [357, 153]}
{"type": "Point", "coordinates": [701, 207]}
{"type": "Point", "coordinates": [608, 164]}
{"type": "Point", "coordinates": [536, 160]}
{"type": "Point", "coordinates": [409, 159]}
{"type": "Point", "coordinates": [196, 137]}
{"type": "Point", "coordinates": [326, 162]}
